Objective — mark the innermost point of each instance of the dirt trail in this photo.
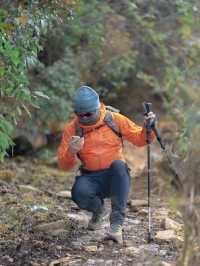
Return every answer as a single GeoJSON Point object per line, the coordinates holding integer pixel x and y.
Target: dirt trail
{"type": "Point", "coordinates": [40, 227]}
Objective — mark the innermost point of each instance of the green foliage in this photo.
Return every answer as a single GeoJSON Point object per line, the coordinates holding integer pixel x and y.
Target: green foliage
{"type": "Point", "coordinates": [46, 53]}
{"type": "Point", "coordinates": [58, 82]}
{"type": "Point", "coordinates": [21, 26]}
{"type": "Point", "coordinates": [5, 141]}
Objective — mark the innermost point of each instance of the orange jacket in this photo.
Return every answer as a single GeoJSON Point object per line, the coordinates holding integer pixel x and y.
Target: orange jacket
{"type": "Point", "coordinates": [101, 146]}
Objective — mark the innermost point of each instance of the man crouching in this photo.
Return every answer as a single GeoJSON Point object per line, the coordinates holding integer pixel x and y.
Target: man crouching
{"type": "Point", "coordinates": [95, 137]}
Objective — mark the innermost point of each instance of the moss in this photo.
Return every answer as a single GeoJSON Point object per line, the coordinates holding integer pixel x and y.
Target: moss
{"type": "Point", "coordinates": [7, 175]}
{"type": "Point", "coordinates": [4, 228]}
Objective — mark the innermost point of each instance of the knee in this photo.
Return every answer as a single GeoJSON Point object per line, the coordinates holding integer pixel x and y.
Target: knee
{"type": "Point", "coordinates": [80, 196]}
{"type": "Point", "coordinates": [119, 166]}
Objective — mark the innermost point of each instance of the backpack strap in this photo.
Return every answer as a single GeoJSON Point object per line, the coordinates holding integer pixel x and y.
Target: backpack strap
{"type": "Point", "coordinates": [78, 132]}
{"type": "Point", "coordinates": [108, 119]}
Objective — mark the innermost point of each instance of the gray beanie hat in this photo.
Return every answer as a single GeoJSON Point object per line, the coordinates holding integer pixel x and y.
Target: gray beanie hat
{"type": "Point", "coordinates": [86, 100]}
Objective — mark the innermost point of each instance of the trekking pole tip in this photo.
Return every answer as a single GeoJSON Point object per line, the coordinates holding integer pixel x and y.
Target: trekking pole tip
{"type": "Point", "coordinates": [149, 238]}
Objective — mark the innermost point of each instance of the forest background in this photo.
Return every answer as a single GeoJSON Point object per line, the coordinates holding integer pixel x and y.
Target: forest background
{"type": "Point", "coordinates": [127, 50]}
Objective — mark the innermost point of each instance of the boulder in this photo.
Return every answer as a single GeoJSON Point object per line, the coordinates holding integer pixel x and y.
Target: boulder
{"type": "Point", "coordinates": [167, 235]}
{"type": "Point", "coordinates": [168, 224]}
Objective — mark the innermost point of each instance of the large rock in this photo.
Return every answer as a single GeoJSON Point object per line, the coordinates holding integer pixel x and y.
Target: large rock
{"type": "Point", "coordinates": [136, 204]}
{"type": "Point", "coordinates": [168, 224]}
{"type": "Point", "coordinates": [80, 219]}
{"type": "Point", "coordinates": [51, 227]}
{"type": "Point", "coordinates": [167, 235]}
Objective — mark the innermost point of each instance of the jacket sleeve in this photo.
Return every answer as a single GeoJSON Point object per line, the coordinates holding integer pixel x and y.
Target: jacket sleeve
{"type": "Point", "coordinates": [130, 131]}
{"type": "Point", "coordinates": [66, 160]}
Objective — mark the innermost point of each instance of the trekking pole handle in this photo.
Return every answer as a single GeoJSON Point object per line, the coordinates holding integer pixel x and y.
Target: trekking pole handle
{"type": "Point", "coordinates": [147, 107]}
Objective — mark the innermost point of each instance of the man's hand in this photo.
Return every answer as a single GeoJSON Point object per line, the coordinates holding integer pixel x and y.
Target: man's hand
{"type": "Point", "coordinates": [150, 118]}
{"type": "Point", "coordinates": [75, 144]}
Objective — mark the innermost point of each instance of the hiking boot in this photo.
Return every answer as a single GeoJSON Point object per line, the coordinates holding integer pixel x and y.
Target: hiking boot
{"type": "Point", "coordinates": [96, 221]}
{"type": "Point", "coordinates": [115, 234]}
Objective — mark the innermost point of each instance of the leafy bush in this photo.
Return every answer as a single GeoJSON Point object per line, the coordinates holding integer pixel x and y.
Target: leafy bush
{"type": "Point", "coordinates": [21, 25]}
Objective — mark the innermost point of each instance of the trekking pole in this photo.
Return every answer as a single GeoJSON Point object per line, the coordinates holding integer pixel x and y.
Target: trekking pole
{"type": "Point", "coordinates": [148, 131]}
{"type": "Point", "coordinates": [150, 125]}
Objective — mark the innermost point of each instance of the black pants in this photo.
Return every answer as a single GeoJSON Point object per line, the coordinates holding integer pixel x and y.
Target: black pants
{"type": "Point", "coordinates": [91, 188]}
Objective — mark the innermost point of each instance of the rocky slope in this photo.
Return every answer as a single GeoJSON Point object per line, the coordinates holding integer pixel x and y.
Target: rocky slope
{"type": "Point", "coordinates": [40, 225]}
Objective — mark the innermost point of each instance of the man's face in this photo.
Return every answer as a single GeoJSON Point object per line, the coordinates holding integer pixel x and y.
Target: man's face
{"type": "Point", "coordinates": [89, 118]}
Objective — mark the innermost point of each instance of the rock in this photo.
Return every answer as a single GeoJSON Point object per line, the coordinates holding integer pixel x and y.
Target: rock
{"type": "Point", "coordinates": [32, 263]}
{"type": "Point", "coordinates": [91, 262]}
{"type": "Point", "coordinates": [131, 223]}
{"type": "Point", "coordinates": [98, 262]}
{"type": "Point", "coordinates": [101, 248]}
{"type": "Point", "coordinates": [108, 263]}
{"type": "Point", "coordinates": [76, 245]}
{"type": "Point", "coordinates": [167, 235]}
{"type": "Point", "coordinates": [168, 224]}
{"type": "Point", "coordinates": [8, 258]}
{"type": "Point", "coordinates": [143, 212]}
{"type": "Point", "coordinates": [136, 204]}
{"type": "Point", "coordinates": [28, 188]}
{"type": "Point", "coordinates": [132, 251]}
{"type": "Point", "coordinates": [90, 249]}
{"type": "Point", "coordinates": [163, 263]}
{"type": "Point", "coordinates": [38, 208]}
{"type": "Point", "coordinates": [59, 247]}
{"type": "Point", "coordinates": [64, 194]}
{"type": "Point", "coordinates": [81, 219]}
{"type": "Point", "coordinates": [51, 227]}
{"type": "Point", "coordinates": [161, 213]}
{"type": "Point", "coordinates": [163, 252]}
{"type": "Point", "coordinates": [59, 232]}
{"type": "Point", "coordinates": [62, 261]}
{"type": "Point", "coordinates": [76, 262]}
